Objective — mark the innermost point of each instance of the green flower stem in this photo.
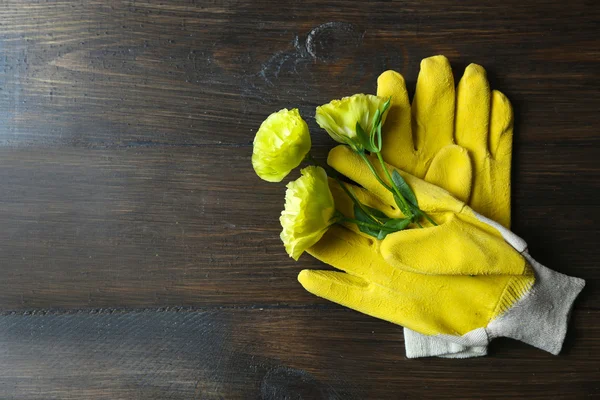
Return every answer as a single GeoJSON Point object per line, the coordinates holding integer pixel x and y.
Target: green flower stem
{"type": "Point", "coordinates": [393, 189]}
{"type": "Point", "coordinates": [357, 202]}
{"type": "Point", "coordinates": [338, 218]}
{"type": "Point", "coordinates": [334, 174]}
{"type": "Point", "coordinates": [365, 224]}
{"type": "Point", "coordinates": [396, 190]}
{"type": "Point", "coordinates": [428, 218]}
{"type": "Point", "coordinates": [372, 168]}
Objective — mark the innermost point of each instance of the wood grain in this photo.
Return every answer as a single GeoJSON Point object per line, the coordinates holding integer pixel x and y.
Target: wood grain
{"type": "Point", "coordinates": [159, 226]}
{"type": "Point", "coordinates": [125, 142]}
{"type": "Point", "coordinates": [277, 353]}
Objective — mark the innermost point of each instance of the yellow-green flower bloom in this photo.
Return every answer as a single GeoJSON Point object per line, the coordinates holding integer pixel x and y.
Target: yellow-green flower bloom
{"type": "Point", "coordinates": [309, 211]}
{"type": "Point", "coordinates": [339, 117]}
{"type": "Point", "coordinates": [280, 145]}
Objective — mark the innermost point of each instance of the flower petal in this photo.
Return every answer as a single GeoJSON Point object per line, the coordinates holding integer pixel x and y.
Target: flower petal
{"type": "Point", "coordinates": [309, 211]}
{"type": "Point", "coordinates": [339, 117]}
{"type": "Point", "coordinates": [280, 145]}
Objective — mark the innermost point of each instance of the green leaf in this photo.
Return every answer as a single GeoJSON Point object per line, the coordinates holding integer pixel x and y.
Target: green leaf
{"type": "Point", "coordinates": [391, 225]}
{"type": "Point", "coordinates": [397, 224]}
{"type": "Point", "coordinates": [359, 215]}
{"type": "Point", "coordinates": [385, 229]}
{"type": "Point", "coordinates": [407, 211]}
{"type": "Point", "coordinates": [380, 215]}
{"type": "Point", "coordinates": [416, 210]}
{"type": "Point", "coordinates": [404, 189]}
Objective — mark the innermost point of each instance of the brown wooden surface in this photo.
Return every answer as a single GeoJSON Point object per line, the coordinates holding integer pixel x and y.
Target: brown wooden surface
{"type": "Point", "coordinates": [126, 131]}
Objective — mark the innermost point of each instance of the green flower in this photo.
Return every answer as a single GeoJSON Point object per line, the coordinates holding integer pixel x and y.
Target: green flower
{"type": "Point", "coordinates": [280, 145]}
{"type": "Point", "coordinates": [354, 120]}
{"type": "Point", "coordinates": [309, 211]}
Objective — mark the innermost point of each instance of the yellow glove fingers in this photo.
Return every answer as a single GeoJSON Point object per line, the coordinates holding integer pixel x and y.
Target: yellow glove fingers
{"type": "Point", "coordinates": [321, 283]}
{"type": "Point", "coordinates": [451, 169]}
{"type": "Point", "coordinates": [491, 187]}
{"type": "Point", "coordinates": [365, 297]}
{"type": "Point", "coordinates": [473, 101]}
{"type": "Point", "coordinates": [428, 305]}
{"type": "Point", "coordinates": [398, 147]}
{"type": "Point", "coordinates": [431, 198]}
{"type": "Point", "coordinates": [501, 140]}
{"type": "Point", "coordinates": [343, 203]}
{"type": "Point", "coordinates": [501, 128]}
{"type": "Point", "coordinates": [461, 245]}
{"type": "Point", "coordinates": [346, 250]}
{"type": "Point", "coordinates": [433, 109]}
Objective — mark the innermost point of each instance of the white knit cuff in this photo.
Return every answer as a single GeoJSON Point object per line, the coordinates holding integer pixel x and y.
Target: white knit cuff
{"type": "Point", "coordinates": [418, 345]}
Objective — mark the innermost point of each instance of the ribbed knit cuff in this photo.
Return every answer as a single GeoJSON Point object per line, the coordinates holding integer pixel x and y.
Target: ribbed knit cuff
{"type": "Point", "coordinates": [541, 317]}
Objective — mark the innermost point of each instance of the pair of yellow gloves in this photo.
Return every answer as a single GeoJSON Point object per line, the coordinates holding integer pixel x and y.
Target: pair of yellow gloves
{"type": "Point", "coordinates": [455, 286]}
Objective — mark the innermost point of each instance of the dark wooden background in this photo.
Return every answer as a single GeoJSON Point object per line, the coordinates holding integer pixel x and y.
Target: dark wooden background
{"type": "Point", "coordinates": [140, 255]}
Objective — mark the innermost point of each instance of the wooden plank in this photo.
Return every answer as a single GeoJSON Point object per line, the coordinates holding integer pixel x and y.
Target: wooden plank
{"type": "Point", "coordinates": [178, 226]}
{"type": "Point", "coordinates": [269, 354]}
{"type": "Point", "coordinates": [183, 72]}
{"type": "Point", "coordinates": [125, 182]}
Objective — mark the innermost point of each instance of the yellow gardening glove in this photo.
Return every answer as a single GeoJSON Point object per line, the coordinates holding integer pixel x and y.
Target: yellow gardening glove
{"type": "Point", "coordinates": [459, 281]}
{"type": "Point", "coordinates": [421, 140]}
{"type": "Point", "coordinates": [460, 141]}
